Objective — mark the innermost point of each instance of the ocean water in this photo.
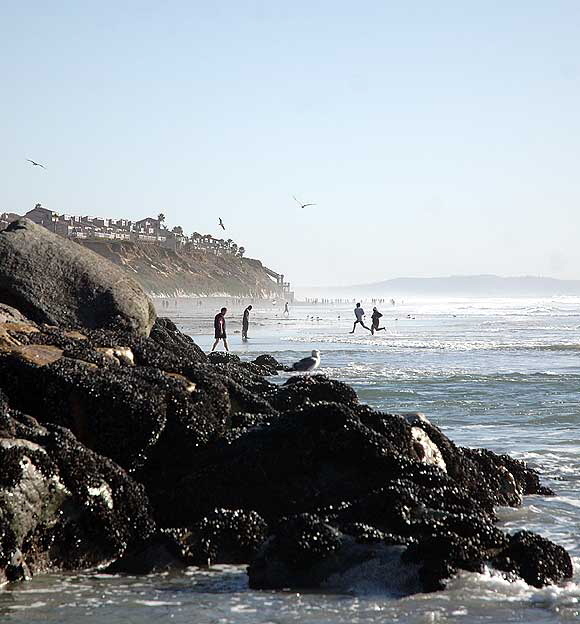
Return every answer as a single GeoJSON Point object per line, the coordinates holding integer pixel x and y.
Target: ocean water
{"type": "Point", "coordinates": [497, 373]}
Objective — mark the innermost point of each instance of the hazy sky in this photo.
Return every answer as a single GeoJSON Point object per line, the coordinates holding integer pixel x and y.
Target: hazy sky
{"type": "Point", "coordinates": [436, 137]}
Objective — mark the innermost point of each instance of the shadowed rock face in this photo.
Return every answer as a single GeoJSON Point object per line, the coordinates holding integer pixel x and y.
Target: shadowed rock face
{"type": "Point", "coordinates": [52, 280]}
{"type": "Point", "coordinates": [300, 479]}
{"type": "Point", "coordinates": [305, 551]}
{"type": "Point", "coordinates": [535, 559]}
{"type": "Point", "coordinates": [226, 536]}
{"type": "Point", "coordinates": [62, 507]}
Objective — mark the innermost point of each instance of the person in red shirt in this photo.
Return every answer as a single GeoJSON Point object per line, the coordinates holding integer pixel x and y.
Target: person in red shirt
{"type": "Point", "coordinates": [219, 324]}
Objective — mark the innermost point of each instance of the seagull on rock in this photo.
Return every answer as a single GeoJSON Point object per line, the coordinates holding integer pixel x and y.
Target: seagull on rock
{"type": "Point", "coordinates": [35, 163]}
{"type": "Point", "coordinates": [308, 364]}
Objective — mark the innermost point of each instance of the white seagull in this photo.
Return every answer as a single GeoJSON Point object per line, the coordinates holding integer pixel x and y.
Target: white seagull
{"type": "Point", "coordinates": [221, 224]}
{"type": "Point", "coordinates": [308, 363]}
{"type": "Point", "coordinates": [301, 204]}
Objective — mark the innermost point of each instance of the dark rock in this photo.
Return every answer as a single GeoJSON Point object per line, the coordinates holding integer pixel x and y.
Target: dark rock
{"type": "Point", "coordinates": [248, 378]}
{"type": "Point", "coordinates": [307, 389]}
{"type": "Point", "coordinates": [53, 280]}
{"type": "Point", "coordinates": [263, 371]}
{"type": "Point", "coordinates": [494, 480]}
{"type": "Point", "coordinates": [246, 420]}
{"type": "Point", "coordinates": [218, 357]}
{"type": "Point", "coordinates": [307, 458]}
{"type": "Point", "coordinates": [62, 506]}
{"type": "Point", "coordinates": [166, 334]}
{"type": "Point", "coordinates": [269, 362]}
{"type": "Point", "coordinates": [160, 552]}
{"type": "Point", "coordinates": [304, 551]}
{"type": "Point", "coordinates": [109, 410]}
{"type": "Point", "coordinates": [535, 559]}
{"type": "Point", "coordinates": [225, 536]}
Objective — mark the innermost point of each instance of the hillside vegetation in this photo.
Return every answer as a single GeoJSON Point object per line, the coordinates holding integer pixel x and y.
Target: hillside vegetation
{"type": "Point", "coordinates": [164, 272]}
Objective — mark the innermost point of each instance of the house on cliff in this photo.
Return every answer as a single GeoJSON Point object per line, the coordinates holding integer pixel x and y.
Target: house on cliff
{"type": "Point", "coordinates": [147, 230]}
{"type": "Point", "coordinates": [6, 219]}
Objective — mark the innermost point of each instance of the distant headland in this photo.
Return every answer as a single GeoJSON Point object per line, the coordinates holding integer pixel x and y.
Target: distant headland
{"type": "Point", "coordinates": [457, 285]}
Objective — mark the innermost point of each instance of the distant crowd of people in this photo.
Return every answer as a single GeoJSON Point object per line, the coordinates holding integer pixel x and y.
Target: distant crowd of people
{"type": "Point", "coordinates": [343, 301]}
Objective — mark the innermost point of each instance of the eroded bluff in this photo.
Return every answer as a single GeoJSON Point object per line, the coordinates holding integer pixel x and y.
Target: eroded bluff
{"type": "Point", "coordinates": [141, 453]}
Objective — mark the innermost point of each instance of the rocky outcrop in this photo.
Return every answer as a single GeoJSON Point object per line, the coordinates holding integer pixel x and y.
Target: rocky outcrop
{"type": "Point", "coordinates": [141, 452]}
{"type": "Point", "coordinates": [62, 507]}
{"type": "Point", "coordinates": [53, 280]}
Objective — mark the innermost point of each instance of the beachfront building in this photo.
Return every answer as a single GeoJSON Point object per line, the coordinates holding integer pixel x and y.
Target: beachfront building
{"type": "Point", "coordinates": [6, 219]}
{"type": "Point", "coordinates": [148, 230]}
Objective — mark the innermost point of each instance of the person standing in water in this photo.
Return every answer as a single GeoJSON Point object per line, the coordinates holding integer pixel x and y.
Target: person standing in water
{"type": "Point", "coordinates": [359, 313]}
{"type": "Point", "coordinates": [246, 323]}
{"type": "Point", "coordinates": [375, 316]}
{"type": "Point", "coordinates": [219, 324]}
{"type": "Point", "coordinates": [286, 310]}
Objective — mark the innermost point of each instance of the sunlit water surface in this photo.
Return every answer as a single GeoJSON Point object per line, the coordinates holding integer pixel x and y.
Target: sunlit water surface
{"type": "Point", "coordinates": [498, 373]}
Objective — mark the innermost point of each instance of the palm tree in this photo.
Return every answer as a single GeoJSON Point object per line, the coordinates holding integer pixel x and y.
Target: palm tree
{"type": "Point", "coordinates": [160, 217]}
{"type": "Point", "coordinates": [241, 252]}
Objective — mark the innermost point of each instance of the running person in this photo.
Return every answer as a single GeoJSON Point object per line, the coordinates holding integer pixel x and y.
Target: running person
{"type": "Point", "coordinates": [246, 323]}
{"type": "Point", "coordinates": [219, 324]}
{"type": "Point", "coordinates": [375, 316]}
{"type": "Point", "coordinates": [359, 313]}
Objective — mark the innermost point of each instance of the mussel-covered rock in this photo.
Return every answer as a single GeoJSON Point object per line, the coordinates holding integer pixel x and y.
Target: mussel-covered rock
{"type": "Point", "coordinates": [305, 551]}
{"type": "Point", "coordinates": [62, 507]}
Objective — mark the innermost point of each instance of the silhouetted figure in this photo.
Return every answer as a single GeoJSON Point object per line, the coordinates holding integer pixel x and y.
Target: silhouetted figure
{"type": "Point", "coordinates": [35, 163]}
{"type": "Point", "coordinates": [246, 323]}
{"type": "Point", "coordinates": [219, 324]}
{"type": "Point", "coordinates": [286, 310]}
{"type": "Point", "coordinates": [375, 316]}
{"type": "Point", "coordinates": [359, 313]}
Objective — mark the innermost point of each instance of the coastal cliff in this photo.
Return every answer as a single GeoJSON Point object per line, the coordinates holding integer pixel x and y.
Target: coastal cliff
{"type": "Point", "coordinates": [161, 271]}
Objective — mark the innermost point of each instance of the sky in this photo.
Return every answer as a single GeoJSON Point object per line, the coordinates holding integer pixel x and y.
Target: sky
{"type": "Point", "coordinates": [435, 138]}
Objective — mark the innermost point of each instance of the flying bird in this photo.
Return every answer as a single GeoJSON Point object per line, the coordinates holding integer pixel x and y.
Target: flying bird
{"type": "Point", "coordinates": [308, 363]}
{"type": "Point", "coordinates": [301, 204]}
{"type": "Point", "coordinates": [35, 163]}
{"type": "Point", "coordinates": [223, 227]}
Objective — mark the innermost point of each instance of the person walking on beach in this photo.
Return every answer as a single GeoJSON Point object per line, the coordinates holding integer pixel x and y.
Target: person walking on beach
{"type": "Point", "coordinates": [286, 310]}
{"type": "Point", "coordinates": [246, 323]}
{"type": "Point", "coordinates": [359, 313]}
{"type": "Point", "coordinates": [219, 324]}
{"type": "Point", "coordinates": [375, 316]}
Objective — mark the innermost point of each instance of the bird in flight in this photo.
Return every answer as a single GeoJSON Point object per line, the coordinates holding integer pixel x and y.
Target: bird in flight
{"type": "Point", "coordinates": [35, 163]}
{"type": "Point", "coordinates": [223, 227]}
{"type": "Point", "coordinates": [301, 204]}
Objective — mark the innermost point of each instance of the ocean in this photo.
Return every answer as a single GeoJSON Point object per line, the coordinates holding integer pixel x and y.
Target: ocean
{"type": "Point", "coordinates": [503, 374]}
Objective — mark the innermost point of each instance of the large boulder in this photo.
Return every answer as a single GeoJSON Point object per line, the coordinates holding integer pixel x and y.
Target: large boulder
{"type": "Point", "coordinates": [53, 280]}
